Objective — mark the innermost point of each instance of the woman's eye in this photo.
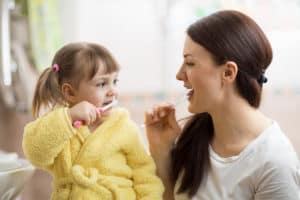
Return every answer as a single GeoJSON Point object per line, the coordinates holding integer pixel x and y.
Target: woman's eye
{"type": "Point", "coordinates": [189, 63]}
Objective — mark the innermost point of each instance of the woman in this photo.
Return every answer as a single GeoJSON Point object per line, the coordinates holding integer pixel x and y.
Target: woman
{"type": "Point", "coordinates": [228, 149]}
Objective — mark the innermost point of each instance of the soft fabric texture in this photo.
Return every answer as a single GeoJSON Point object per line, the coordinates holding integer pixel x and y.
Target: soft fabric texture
{"type": "Point", "coordinates": [110, 163]}
{"type": "Point", "coordinates": [267, 169]}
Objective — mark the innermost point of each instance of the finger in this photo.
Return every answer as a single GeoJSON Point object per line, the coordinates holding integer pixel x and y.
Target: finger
{"type": "Point", "coordinates": [95, 114]}
{"type": "Point", "coordinates": [172, 118]}
{"type": "Point", "coordinates": [87, 121]}
{"type": "Point", "coordinates": [99, 113]}
{"type": "Point", "coordinates": [164, 109]}
{"type": "Point", "coordinates": [149, 116]}
{"type": "Point", "coordinates": [155, 115]}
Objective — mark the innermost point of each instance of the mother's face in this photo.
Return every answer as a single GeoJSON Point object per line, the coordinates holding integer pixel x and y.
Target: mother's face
{"type": "Point", "coordinates": [202, 76]}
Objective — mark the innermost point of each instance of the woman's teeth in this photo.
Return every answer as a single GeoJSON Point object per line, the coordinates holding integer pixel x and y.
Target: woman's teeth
{"type": "Point", "coordinates": [190, 92]}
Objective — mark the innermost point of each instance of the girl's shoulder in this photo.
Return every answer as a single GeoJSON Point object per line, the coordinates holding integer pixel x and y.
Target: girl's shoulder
{"type": "Point", "coordinates": [120, 116]}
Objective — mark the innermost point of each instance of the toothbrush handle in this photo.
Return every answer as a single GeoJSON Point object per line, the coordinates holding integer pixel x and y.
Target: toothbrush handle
{"type": "Point", "coordinates": [79, 123]}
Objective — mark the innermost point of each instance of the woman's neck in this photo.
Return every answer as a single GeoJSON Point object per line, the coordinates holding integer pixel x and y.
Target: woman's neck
{"type": "Point", "coordinates": [241, 125]}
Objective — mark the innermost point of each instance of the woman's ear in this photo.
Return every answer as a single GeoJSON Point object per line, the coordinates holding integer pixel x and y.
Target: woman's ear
{"type": "Point", "coordinates": [68, 92]}
{"type": "Point", "coordinates": [230, 71]}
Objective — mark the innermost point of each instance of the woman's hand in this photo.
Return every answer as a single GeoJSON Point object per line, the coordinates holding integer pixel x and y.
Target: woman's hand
{"type": "Point", "coordinates": [84, 111]}
{"type": "Point", "coordinates": [161, 127]}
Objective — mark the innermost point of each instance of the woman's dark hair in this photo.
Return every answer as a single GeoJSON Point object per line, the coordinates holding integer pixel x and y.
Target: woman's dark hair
{"type": "Point", "coordinates": [76, 62]}
{"type": "Point", "coordinates": [229, 36]}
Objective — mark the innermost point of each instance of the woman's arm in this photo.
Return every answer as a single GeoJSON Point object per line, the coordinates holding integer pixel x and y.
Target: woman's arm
{"type": "Point", "coordinates": [162, 130]}
{"type": "Point", "coordinates": [163, 166]}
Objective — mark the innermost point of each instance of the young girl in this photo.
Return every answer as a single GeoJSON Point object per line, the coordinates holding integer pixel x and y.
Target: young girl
{"type": "Point", "coordinates": [103, 159]}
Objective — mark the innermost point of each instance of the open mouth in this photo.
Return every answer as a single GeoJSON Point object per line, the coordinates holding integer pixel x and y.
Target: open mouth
{"type": "Point", "coordinates": [190, 93]}
{"type": "Point", "coordinates": [106, 103]}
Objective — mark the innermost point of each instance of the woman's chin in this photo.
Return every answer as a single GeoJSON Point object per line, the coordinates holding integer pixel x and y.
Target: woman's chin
{"type": "Point", "coordinates": [191, 109]}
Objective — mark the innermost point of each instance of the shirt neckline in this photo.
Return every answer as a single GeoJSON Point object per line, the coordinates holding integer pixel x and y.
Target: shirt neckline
{"type": "Point", "coordinates": [248, 149]}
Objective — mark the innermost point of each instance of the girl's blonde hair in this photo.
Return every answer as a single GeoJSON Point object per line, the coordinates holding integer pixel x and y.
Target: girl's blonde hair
{"type": "Point", "coordinates": [76, 61]}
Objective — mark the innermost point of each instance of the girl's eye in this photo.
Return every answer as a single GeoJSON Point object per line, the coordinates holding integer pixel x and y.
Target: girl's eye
{"type": "Point", "coordinates": [116, 81]}
{"type": "Point", "coordinates": [102, 84]}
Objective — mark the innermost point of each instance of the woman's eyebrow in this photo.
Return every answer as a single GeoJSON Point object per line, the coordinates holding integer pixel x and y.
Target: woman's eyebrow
{"type": "Point", "coordinates": [187, 54]}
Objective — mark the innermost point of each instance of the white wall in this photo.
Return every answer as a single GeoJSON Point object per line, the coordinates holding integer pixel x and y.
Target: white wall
{"type": "Point", "coordinates": [149, 51]}
{"type": "Point", "coordinates": [129, 30]}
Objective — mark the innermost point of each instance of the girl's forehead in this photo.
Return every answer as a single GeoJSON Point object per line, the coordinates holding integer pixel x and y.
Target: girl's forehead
{"type": "Point", "coordinates": [106, 67]}
{"type": "Point", "coordinates": [105, 75]}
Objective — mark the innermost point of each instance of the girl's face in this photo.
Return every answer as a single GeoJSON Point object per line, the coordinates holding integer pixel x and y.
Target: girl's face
{"type": "Point", "coordinates": [201, 75]}
{"type": "Point", "coordinates": [100, 90]}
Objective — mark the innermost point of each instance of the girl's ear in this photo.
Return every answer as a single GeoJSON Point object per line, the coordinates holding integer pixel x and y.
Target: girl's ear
{"type": "Point", "coordinates": [68, 92]}
{"type": "Point", "coordinates": [230, 72]}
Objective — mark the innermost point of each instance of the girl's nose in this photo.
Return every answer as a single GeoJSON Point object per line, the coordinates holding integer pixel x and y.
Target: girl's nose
{"type": "Point", "coordinates": [112, 91]}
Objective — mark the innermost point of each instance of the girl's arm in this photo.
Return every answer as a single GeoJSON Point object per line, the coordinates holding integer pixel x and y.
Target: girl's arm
{"type": "Point", "coordinates": [46, 137]}
{"type": "Point", "coordinates": [162, 130]}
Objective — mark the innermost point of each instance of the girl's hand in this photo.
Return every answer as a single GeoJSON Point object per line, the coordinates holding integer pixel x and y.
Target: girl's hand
{"type": "Point", "coordinates": [161, 127]}
{"type": "Point", "coordinates": [84, 111]}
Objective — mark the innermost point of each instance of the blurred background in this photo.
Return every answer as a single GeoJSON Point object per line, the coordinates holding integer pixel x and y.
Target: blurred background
{"type": "Point", "coordinates": [146, 38]}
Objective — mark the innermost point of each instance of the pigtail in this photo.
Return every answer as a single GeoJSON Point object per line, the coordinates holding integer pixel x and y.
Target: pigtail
{"type": "Point", "coordinates": [47, 92]}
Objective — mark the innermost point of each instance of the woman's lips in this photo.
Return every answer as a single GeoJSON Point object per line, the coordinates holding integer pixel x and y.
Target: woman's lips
{"type": "Point", "coordinates": [190, 94]}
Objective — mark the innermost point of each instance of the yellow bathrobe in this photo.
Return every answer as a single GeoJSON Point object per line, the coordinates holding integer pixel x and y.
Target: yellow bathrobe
{"type": "Point", "coordinates": [110, 163]}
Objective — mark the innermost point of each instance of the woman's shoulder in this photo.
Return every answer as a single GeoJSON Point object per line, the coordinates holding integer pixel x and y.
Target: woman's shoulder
{"type": "Point", "coordinates": [275, 151]}
{"type": "Point", "coordinates": [279, 166]}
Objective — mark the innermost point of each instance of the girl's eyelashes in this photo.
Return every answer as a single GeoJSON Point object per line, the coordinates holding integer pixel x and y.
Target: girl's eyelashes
{"type": "Point", "coordinates": [105, 83]}
{"type": "Point", "coordinates": [101, 84]}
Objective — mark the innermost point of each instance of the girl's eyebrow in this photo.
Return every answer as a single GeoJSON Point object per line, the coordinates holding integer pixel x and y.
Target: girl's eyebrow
{"type": "Point", "coordinates": [105, 77]}
{"type": "Point", "coordinates": [101, 79]}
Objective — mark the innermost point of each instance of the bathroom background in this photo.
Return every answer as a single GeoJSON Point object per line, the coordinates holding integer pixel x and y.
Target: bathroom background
{"type": "Point", "coordinates": [146, 37]}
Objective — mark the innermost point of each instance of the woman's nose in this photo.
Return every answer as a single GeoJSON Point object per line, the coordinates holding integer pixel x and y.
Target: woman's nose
{"type": "Point", "coordinates": [180, 74]}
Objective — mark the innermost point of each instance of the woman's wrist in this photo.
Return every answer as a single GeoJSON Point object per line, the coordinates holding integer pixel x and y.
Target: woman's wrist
{"type": "Point", "coordinates": [160, 152]}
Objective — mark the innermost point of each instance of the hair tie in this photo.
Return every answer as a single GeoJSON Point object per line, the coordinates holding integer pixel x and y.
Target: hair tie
{"type": "Point", "coordinates": [56, 67]}
{"type": "Point", "coordinates": [262, 79]}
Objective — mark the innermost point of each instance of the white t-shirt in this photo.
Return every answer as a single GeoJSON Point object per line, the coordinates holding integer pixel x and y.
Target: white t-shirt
{"type": "Point", "coordinates": [267, 169]}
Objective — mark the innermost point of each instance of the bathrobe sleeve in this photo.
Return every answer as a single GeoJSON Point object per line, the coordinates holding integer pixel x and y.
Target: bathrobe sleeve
{"type": "Point", "coordinates": [146, 184]}
{"type": "Point", "coordinates": [46, 137]}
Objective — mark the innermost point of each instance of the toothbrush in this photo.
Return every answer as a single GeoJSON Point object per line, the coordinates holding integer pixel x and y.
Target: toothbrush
{"type": "Point", "coordinates": [175, 104]}
{"type": "Point", "coordinates": [79, 123]}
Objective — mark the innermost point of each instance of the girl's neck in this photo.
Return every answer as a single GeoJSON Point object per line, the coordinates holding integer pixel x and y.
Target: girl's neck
{"type": "Point", "coordinates": [235, 126]}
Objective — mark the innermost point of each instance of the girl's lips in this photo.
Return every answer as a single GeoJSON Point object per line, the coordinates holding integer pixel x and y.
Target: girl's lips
{"type": "Point", "coordinates": [106, 103]}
